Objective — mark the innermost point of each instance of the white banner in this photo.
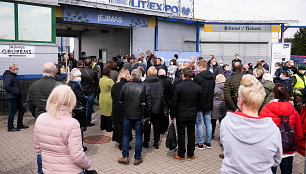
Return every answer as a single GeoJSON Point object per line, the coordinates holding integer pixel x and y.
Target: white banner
{"type": "Point", "coordinates": [17, 51]}
{"type": "Point", "coordinates": [280, 51]}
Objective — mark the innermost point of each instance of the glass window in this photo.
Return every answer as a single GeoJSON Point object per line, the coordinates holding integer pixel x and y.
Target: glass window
{"type": "Point", "coordinates": [7, 21]}
{"type": "Point", "coordinates": [34, 23]}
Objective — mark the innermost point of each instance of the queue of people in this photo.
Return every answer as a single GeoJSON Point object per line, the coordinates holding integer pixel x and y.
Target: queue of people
{"type": "Point", "coordinates": [135, 94]}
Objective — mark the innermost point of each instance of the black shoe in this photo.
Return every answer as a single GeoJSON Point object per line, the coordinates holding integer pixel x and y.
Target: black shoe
{"type": "Point", "coordinates": [23, 127]}
{"type": "Point", "coordinates": [13, 130]}
{"type": "Point", "coordinates": [208, 145]}
{"type": "Point", "coordinates": [145, 145]}
{"type": "Point", "coordinates": [84, 149]}
{"type": "Point", "coordinates": [91, 124]}
{"type": "Point", "coordinates": [156, 146]}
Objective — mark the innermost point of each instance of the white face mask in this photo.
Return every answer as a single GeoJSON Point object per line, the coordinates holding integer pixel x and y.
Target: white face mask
{"type": "Point", "coordinates": [171, 63]}
{"type": "Point", "coordinates": [292, 64]}
{"type": "Point", "coordinates": [303, 72]}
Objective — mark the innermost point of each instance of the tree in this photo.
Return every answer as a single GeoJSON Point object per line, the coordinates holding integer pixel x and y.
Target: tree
{"type": "Point", "coordinates": [299, 43]}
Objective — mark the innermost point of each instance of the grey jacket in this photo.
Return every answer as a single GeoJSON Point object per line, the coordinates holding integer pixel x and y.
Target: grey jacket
{"type": "Point", "coordinates": [218, 111]}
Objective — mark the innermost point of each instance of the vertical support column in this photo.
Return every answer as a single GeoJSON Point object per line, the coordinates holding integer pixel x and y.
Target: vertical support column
{"type": "Point", "coordinates": [282, 32]}
{"type": "Point", "coordinates": [61, 46]}
{"type": "Point", "coordinates": [198, 37]}
{"type": "Point", "coordinates": [156, 35]}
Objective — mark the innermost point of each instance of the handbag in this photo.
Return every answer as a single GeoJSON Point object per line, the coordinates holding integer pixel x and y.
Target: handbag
{"type": "Point", "coordinates": [90, 172]}
{"type": "Point", "coordinates": [171, 142]}
{"type": "Point", "coordinates": [145, 124]}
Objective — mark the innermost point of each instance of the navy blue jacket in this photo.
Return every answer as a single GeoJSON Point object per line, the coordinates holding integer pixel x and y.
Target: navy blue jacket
{"type": "Point", "coordinates": [11, 85]}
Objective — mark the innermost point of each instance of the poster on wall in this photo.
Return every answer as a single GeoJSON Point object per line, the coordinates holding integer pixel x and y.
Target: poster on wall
{"type": "Point", "coordinates": [182, 56]}
{"type": "Point", "coordinates": [279, 52]}
{"type": "Point", "coordinates": [17, 51]}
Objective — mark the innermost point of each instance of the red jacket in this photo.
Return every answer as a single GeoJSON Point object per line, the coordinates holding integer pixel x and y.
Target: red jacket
{"type": "Point", "coordinates": [301, 144]}
{"type": "Point", "coordinates": [276, 109]}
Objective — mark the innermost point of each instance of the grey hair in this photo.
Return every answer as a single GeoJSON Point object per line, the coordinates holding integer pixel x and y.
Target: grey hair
{"type": "Point", "coordinates": [75, 72]}
{"type": "Point", "coordinates": [136, 75]}
{"type": "Point", "coordinates": [267, 77]}
{"type": "Point", "coordinates": [161, 72]}
{"type": "Point", "coordinates": [49, 68]}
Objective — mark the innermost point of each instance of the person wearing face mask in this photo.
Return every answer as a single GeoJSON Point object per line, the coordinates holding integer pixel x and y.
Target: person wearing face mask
{"type": "Point", "coordinates": [13, 97]}
{"type": "Point", "coordinates": [213, 67]}
{"type": "Point", "coordinates": [285, 80]}
{"type": "Point", "coordinates": [290, 68]}
{"type": "Point", "coordinates": [298, 83]}
{"type": "Point", "coordinates": [236, 59]}
{"type": "Point", "coordinates": [172, 68]}
{"type": "Point", "coordinates": [220, 65]}
{"type": "Point", "coordinates": [227, 71]}
{"type": "Point", "coordinates": [80, 109]}
{"type": "Point", "coordinates": [277, 74]}
{"type": "Point", "coordinates": [140, 63]}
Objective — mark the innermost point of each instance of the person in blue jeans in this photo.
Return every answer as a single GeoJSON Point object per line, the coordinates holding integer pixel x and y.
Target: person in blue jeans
{"type": "Point", "coordinates": [13, 97]}
{"type": "Point", "coordinates": [206, 80]}
{"type": "Point", "coordinates": [135, 104]}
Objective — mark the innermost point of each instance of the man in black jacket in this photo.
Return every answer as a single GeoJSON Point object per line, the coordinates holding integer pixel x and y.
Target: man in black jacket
{"type": "Point", "coordinates": [213, 67]}
{"type": "Point", "coordinates": [167, 86]}
{"type": "Point", "coordinates": [206, 80]}
{"type": "Point", "coordinates": [40, 90]}
{"type": "Point", "coordinates": [13, 97]}
{"type": "Point", "coordinates": [184, 107]}
{"type": "Point", "coordinates": [89, 83]}
{"type": "Point", "coordinates": [135, 103]}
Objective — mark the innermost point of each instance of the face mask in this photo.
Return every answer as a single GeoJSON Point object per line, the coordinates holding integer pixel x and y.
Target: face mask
{"type": "Point", "coordinates": [171, 63]}
{"type": "Point", "coordinates": [79, 79]}
{"type": "Point", "coordinates": [17, 71]}
{"type": "Point", "coordinates": [292, 64]}
{"type": "Point", "coordinates": [227, 69]}
{"type": "Point", "coordinates": [214, 64]}
{"type": "Point", "coordinates": [221, 64]}
{"type": "Point", "coordinates": [303, 72]}
{"type": "Point", "coordinates": [237, 57]}
{"type": "Point", "coordinates": [183, 66]}
{"type": "Point", "coordinates": [139, 62]}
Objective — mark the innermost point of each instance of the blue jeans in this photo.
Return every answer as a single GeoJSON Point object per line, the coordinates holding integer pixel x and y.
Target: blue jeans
{"type": "Point", "coordinates": [13, 106]}
{"type": "Point", "coordinates": [285, 166]}
{"type": "Point", "coordinates": [39, 164]}
{"type": "Point", "coordinates": [207, 121]}
{"type": "Point", "coordinates": [91, 99]}
{"type": "Point", "coordinates": [127, 127]}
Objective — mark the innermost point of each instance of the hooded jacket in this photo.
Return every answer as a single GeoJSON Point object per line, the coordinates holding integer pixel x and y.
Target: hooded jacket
{"type": "Point", "coordinates": [11, 85]}
{"type": "Point", "coordinates": [278, 109]}
{"type": "Point", "coordinates": [206, 80]}
{"type": "Point", "coordinates": [251, 144]}
{"type": "Point", "coordinates": [154, 85]}
{"type": "Point", "coordinates": [268, 85]}
{"type": "Point", "coordinates": [301, 144]}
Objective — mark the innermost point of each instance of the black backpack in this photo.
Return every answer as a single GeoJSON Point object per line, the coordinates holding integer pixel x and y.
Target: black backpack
{"type": "Point", "coordinates": [288, 135]}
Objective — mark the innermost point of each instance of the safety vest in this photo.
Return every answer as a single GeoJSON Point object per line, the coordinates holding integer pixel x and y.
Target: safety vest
{"type": "Point", "coordinates": [299, 84]}
{"type": "Point", "coordinates": [93, 66]}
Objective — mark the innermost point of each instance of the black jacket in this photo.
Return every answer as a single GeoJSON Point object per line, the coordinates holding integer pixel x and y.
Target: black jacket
{"type": "Point", "coordinates": [81, 101]}
{"type": "Point", "coordinates": [89, 80]}
{"type": "Point", "coordinates": [216, 70]}
{"type": "Point", "coordinates": [160, 66]}
{"type": "Point", "coordinates": [155, 88]}
{"type": "Point", "coordinates": [230, 92]}
{"type": "Point", "coordinates": [135, 101]}
{"type": "Point", "coordinates": [206, 80]}
{"type": "Point", "coordinates": [167, 86]}
{"type": "Point", "coordinates": [185, 100]}
{"type": "Point", "coordinates": [277, 74]}
{"type": "Point", "coordinates": [73, 63]}
{"type": "Point", "coordinates": [38, 94]}
{"type": "Point", "coordinates": [303, 91]}
{"type": "Point", "coordinates": [11, 85]}
{"type": "Point", "coordinates": [117, 114]}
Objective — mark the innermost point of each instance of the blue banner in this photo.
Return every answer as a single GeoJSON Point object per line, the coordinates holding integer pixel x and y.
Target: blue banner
{"type": "Point", "coordinates": [182, 56]}
{"type": "Point", "coordinates": [95, 16]}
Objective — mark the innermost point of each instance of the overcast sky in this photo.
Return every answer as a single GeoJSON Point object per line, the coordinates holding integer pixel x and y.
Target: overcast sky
{"type": "Point", "coordinates": [253, 10]}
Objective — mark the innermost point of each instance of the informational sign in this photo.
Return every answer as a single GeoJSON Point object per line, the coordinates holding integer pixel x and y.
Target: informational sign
{"type": "Point", "coordinates": [241, 28]}
{"type": "Point", "coordinates": [176, 7]}
{"type": "Point", "coordinates": [279, 52]}
{"type": "Point", "coordinates": [77, 14]}
{"type": "Point", "coordinates": [182, 56]}
{"type": "Point", "coordinates": [17, 51]}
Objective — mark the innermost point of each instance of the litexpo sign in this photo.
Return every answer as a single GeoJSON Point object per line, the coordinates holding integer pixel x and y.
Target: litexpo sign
{"type": "Point", "coordinates": [16, 51]}
{"type": "Point", "coordinates": [176, 7]}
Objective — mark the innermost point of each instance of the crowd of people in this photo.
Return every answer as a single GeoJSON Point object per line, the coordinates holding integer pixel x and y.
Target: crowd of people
{"type": "Point", "coordinates": [137, 93]}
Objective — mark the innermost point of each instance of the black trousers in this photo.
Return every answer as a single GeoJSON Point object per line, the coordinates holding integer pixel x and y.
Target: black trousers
{"type": "Point", "coordinates": [106, 123]}
{"type": "Point", "coordinates": [164, 124]}
{"type": "Point", "coordinates": [213, 123]}
{"type": "Point", "coordinates": [180, 125]}
{"type": "Point", "coordinates": [118, 132]}
{"type": "Point", "coordinates": [155, 120]}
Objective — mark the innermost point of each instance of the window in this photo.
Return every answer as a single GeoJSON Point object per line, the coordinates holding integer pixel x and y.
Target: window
{"type": "Point", "coordinates": [7, 21]}
{"type": "Point", "coordinates": [34, 23]}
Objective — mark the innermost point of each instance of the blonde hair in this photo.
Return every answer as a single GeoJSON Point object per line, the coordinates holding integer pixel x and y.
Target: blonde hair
{"type": "Point", "coordinates": [259, 72]}
{"type": "Point", "coordinates": [62, 98]}
{"type": "Point", "coordinates": [124, 74]}
{"type": "Point", "coordinates": [220, 78]}
{"type": "Point", "coordinates": [152, 71]}
{"type": "Point", "coordinates": [251, 92]}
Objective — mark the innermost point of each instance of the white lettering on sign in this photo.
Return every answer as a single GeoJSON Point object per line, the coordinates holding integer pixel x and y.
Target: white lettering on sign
{"type": "Point", "coordinates": [23, 51]}
{"type": "Point", "coordinates": [108, 18]}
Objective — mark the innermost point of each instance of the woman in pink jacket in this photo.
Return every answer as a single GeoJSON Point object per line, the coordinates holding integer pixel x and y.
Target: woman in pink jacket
{"type": "Point", "coordinates": [57, 136]}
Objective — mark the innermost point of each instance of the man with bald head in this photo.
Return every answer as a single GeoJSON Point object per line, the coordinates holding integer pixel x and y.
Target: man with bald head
{"type": "Point", "coordinates": [13, 97]}
{"type": "Point", "coordinates": [40, 90]}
